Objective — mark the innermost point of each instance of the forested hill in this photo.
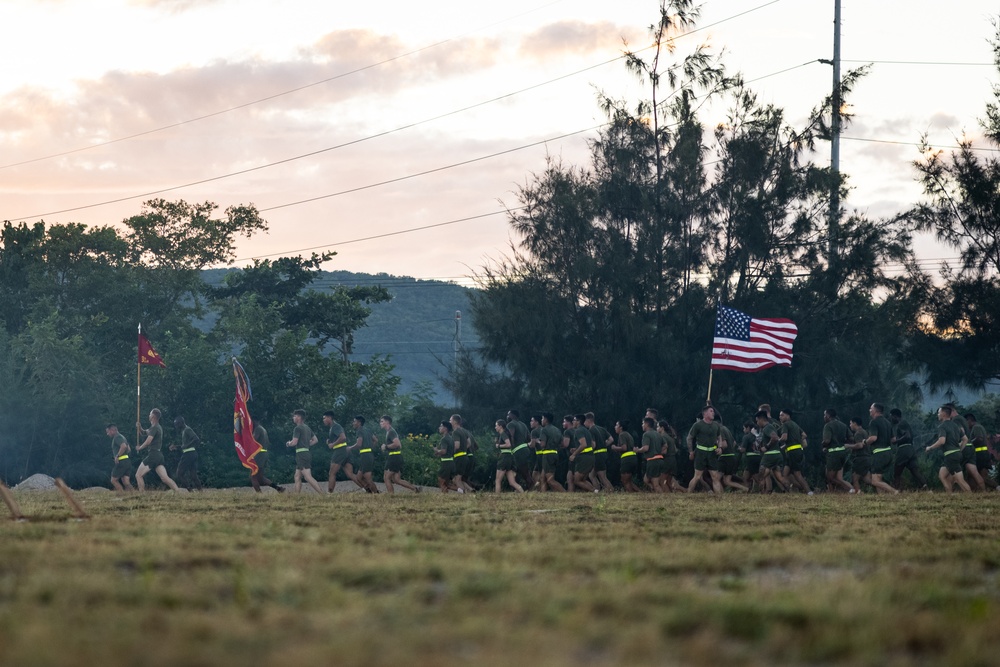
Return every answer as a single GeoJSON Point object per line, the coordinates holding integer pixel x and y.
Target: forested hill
{"type": "Point", "coordinates": [416, 329]}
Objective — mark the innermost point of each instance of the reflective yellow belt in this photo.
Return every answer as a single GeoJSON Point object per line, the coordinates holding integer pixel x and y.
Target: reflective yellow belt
{"type": "Point", "coordinates": [548, 451]}
{"type": "Point", "coordinates": [519, 447]}
{"type": "Point", "coordinates": [601, 451]}
{"type": "Point", "coordinates": [758, 453]}
{"type": "Point", "coordinates": [835, 449]}
{"type": "Point", "coordinates": [123, 457]}
{"type": "Point", "coordinates": [303, 449]}
{"type": "Point", "coordinates": [791, 447]}
{"type": "Point", "coordinates": [706, 449]}
{"type": "Point", "coordinates": [904, 444]}
{"type": "Point", "coordinates": [396, 452]}
{"type": "Point", "coordinates": [727, 454]}
{"type": "Point", "coordinates": [448, 459]}
{"type": "Point", "coordinates": [364, 451]}
{"type": "Point", "coordinates": [457, 454]}
{"type": "Point", "coordinates": [982, 449]}
{"type": "Point", "coordinates": [343, 444]}
{"type": "Point", "coordinates": [189, 449]}
{"type": "Point", "coordinates": [952, 451]}
{"type": "Point", "coordinates": [881, 449]}
{"type": "Point", "coordinates": [624, 454]}
{"type": "Point", "coordinates": [587, 450]}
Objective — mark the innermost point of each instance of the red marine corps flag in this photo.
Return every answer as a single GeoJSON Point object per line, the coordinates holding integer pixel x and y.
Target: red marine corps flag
{"type": "Point", "coordinates": [246, 447]}
{"type": "Point", "coordinates": [147, 355]}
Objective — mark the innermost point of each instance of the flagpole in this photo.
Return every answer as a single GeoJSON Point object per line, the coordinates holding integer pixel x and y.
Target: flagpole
{"type": "Point", "coordinates": [708, 399]}
{"type": "Point", "coordinates": [138, 391]}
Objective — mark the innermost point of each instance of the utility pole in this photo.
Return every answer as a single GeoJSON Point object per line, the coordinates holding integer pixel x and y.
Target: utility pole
{"type": "Point", "coordinates": [458, 335]}
{"type": "Point", "coordinates": [833, 229]}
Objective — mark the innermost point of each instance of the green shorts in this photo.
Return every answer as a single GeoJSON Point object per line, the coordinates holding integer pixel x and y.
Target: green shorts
{"type": "Point", "coordinates": [772, 460]}
{"type": "Point", "coordinates": [952, 461]}
{"type": "Point", "coordinates": [122, 468]}
{"type": "Point", "coordinates": [983, 460]}
{"type": "Point", "coordinates": [600, 461]}
{"type": "Point", "coordinates": [549, 462]}
{"type": "Point", "coordinates": [340, 456]}
{"type": "Point", "coordinates": [446, 470]}
{"type": "Point", "coordinates": [753, 462]}
{"type": "Point", "coordinates": [523, 457]}
{"type": "Point", "coordinates": [654, 468]}
{"type": "Point", "coordinates": [794, 459]}
{"type": "Point", "coordinates": [968, 455]}
{"type": "Point", "coordinates": [903, 455]}
{"type": "Point", "coordinates": [505, 461]}
{"type": "Point", "coordinates": [583, 463]}
{"type": "Point", "coordinates": [394, 463]}
{"type": "Point", "coordinates": [366, 462]}
{"type": "Point", "coordinates": [628, 464]}
{"type": "Point", "coordinates": [836, 460]}
{"type": "Point", "coordinates": [727, 463]}
{"type": "Point", "coordinates": [705, 460]}
{"type": "Point", "coordinates": [861, 465]}
{"type": "Point", "coordinates": [882, 463]}
{"type": "Point", "coordinates": [462, 465]}
{"type": "Point", "coordinates": [153, 459]}
{"type": "Point", "coordinates": [303, 460]}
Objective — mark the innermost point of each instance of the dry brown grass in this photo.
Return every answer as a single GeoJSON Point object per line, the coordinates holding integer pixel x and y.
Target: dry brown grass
{"type": "Point", "coordinates": [223, 578]}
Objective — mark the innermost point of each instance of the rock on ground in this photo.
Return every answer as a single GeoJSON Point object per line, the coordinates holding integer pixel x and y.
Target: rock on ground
{"type": "Point", "coordinates": [37, 482]}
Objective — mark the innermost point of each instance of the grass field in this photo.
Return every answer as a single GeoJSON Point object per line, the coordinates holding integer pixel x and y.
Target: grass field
{"type": "Point", "coordinates": [229, 578]}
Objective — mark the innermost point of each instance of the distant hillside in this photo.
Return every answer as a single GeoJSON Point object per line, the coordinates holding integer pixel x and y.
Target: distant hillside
{"type": "Point", "coordinates": [416, 329]}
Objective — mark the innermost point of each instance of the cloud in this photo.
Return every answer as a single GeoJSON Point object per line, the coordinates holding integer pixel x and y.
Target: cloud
{"type": "Point", "coordinates": [574, 38]}
{"type": "Point", "coordinates": [173, 6]}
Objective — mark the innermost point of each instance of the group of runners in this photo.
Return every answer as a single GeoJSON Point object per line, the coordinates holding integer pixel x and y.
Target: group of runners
{"type": "Point", "coordinates": [540, 456]}
{"type": "Point", "coordinates": [770, 454]}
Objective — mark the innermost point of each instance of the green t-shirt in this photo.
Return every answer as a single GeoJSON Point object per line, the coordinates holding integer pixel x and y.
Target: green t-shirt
{"type": "Point", "coordinates": [768, 438]}
{"type": "Point", "coordinates": [652, 440]}
{"type": "Point", "coordinates": [860, 436]}
{"type": "Point", "coordinates": [518, 432]}
{"type": "Point", "coordinates": [727, 435]}
{"type": "Point", "coordinates": [793, 431]}
{"type": "Point", "coordinates": [748, 442]}
{"type": "Point", "coordinates": [669, 445]}
{"type": "Point", "coordinates": [116, 445]}
{"type": "Point", "coordinates": [260, 435]}
{"type": "Point", "coordinates": [583, 433]}
{"type": "Point", "coordinates": [625, 440]}
{"type": "Point", "coordinates": [600, 436]}
{"type": "Point", "coordinates": [448, 445]}
{"type": "Point", "coordinates": [551, 438]}
{"type": "Point", "coordinates": [390, 435]}
{"type": "Point", "coordinates": [365, 435]}
{"type": "Point", "coordinates": [962, 426]}
{"type": "Point", "coordinates": [336, 430]}
{"type": "Point", "coordinates": [188, 438]}
{"type": "Point", "coordinates": [304, 435]}
{"type": "Point", "coordinates": [503, 441]}
{"type": "Point", "coordinates": [156, 431]}
{"type": "Point", "coordinates": [882, 430]}
{"type": "Point", "coordinates": [835, 433]}
{"type": "Point", "coordinates": [979, 435]}
{"type": "Point", "coordinates": [952, 435]}
{"type": "Point", "coordinates": [461, 438]}
{"type": "Point", "coordinates": [705, 434]}
{"type": "Point", "coordinates": [903, 433]}
{"type": "Point", "coordinates": [536, 436]}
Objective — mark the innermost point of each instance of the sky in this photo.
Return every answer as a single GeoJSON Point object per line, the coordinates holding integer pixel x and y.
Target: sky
{"type": "Point", "coordinates": [417, 122]}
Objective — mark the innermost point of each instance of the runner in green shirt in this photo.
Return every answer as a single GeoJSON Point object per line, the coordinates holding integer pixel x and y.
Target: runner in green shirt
{"type": "Point", "coordinates": [446, 452]}
{"type": "Point", "coordinates": [951, 438]}
{"type": "Point", "coordinates": [302, 439]}
{"type": "Point", "coordinates": [793, 440]}
{"type": "Point", "coordinates": [394, 458]}
{"type": "Point", "coordinates": [771, 460]}
{"type": "Point", "coordinates": [582, 457]}
{"type": "Point", "coordinates": [729, 459]}
{"type": "Point", "coordinates": [860, 455]}
{"type": "Point", "coordinates": [154, 457]}
{"type": "Point", "coordinates": [651, 447]}
{"type": "Point", "coordinates": [340, 455]}
{"type": "Point", "coordinates": [122, 466]}
{"type": "Point", "coordinates": [566, 450]}
{"type": "Point", "coordinates": [187, 467]}
{"type": "Point", "coordinates": [750, 463]}
{"type": "Point", "coordinates": [549, 442]}
{"type": "Point", "coordinates": [463, 454]}
{"type": "Point", "coordinates": [906, 453]}
{"type": "Point", "coordinates": [834, 439]}
{"type": "Point", "coordinates": [505, 459]}
{"type": "Point", "coordinates": [978, 438]}
{"type": "Point", "coordinates": [262, 460]}
{"type": "Point", "coordinates": [628, 463]}
{"type": "Point", "coordinates": [602, 440]}
{"type": "Point", "coordinates": [880, 442]}
{"type": "Point", "coordinates": [669, 438]}
{"type": "Point", "coordinates": [364, 441]}
{"type": "Point", "coordinates": [704, 442]}
{"type": "Point", "coordinates": [520, 439]}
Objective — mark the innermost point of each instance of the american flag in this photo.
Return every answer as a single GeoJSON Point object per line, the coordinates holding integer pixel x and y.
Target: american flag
{"type": "Point", "coordinates": [744, 343]}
